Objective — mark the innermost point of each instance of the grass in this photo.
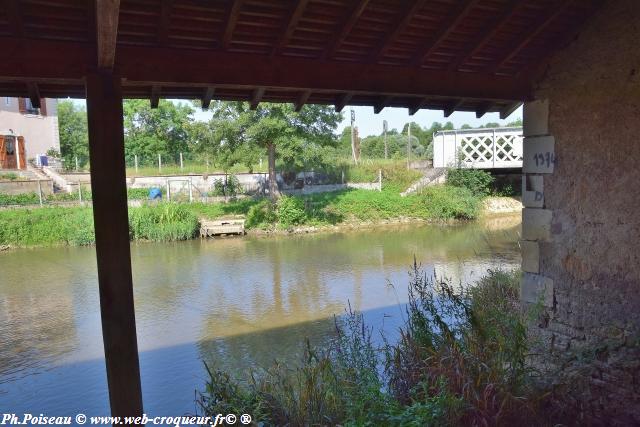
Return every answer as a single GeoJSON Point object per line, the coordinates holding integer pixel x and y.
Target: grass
{"type": "Point", "coordinates": [191, 168]}
{"type": "Point", "coordinates": [460, 360]}
{"type": "Point", "coordinates": [179, 221]}
{"type": "Point", "coordinates": [10, 176]}
{"type": "Point", "coordinates": [33, 199]}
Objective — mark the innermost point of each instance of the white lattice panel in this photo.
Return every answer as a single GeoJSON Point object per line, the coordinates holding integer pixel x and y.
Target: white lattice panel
{"type": "Point", "coordinates": [479, 148]}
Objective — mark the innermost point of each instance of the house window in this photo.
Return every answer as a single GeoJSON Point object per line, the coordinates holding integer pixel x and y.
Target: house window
{"type": "Point", "coordinates": [11, 145]}
{"type": "Point", "coordinates": [29, 108]}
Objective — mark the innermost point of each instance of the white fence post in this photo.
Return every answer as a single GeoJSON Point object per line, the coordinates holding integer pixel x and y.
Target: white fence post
{"type": "Point", "coordinates": [379, 179]}
{"type": "Point", "coordinates": [181, 163]}
{"type": "Point", "coordinates": [79, 192]}
{"type": "Point", "coordinates": [493, 156]}
{"type": "Point", "coordinates": [168, 191]}
{"type": "Point", "coordinates": [159, 162]}
{"type": "Point", "coordinates": [77, 164]}
{"type": "Point", "coordinates": [40, 192]}
{"type": "Point", "coordinates": [190, 187]}
{"type": "Point", "coordinates": [135, 160]}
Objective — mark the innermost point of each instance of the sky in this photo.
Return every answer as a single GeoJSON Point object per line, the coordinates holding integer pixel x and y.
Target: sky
{"type": "Point", "coordinates": [369, 123]}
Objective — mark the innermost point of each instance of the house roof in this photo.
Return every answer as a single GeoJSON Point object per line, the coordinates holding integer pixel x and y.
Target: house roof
{"type": "Point", "coordinates": [471, 55]}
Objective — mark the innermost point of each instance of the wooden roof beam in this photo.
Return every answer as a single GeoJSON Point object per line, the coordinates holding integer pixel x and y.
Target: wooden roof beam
{"type": "Point", "coordinates": [233, 12]}
{"type": "Point", "coordinates": [165, 21]}
{"type": "Point", "coordinates": [451, 108]}
{"type": "Point", "coordinates": [528, 36]}
{"type": "Point", "coordinates": [15, 17]}
{"type": "Point", "coordinates": [489, 32]}
{"type": "Point", "coordinates": [292, 22]}
{"type": "Point", "coordinates": [509, 109]}
{"type": "Point", "coordinates": [256, 98]}
{"type": "Point", "coordinates": [343, 100]}
{"type": "Point", "coordinates": [345, 28]}
{"type": "Point", "coordinates": [107, 12]}
{"type": "Point", "coordinates": [304, 97]}
{"type": "Point", "coordinates": [39, 61]}
{"type": "Point", "coordinates": [449, 24]}
{"type": "Point", "coordinates": [384, 102]}
{"type": "Point", "coordinates": [398, 26]}
{"type": "Point", "coordinates": [207, 97]}
{"type": "Point", "coordinates": [155, 96]}
{"type": "Point", "coordinates": [34, 94]}
{"type": "Point", "coordinates": [418, 106]}
{"type": "Point", "coordinates": [483, 109]}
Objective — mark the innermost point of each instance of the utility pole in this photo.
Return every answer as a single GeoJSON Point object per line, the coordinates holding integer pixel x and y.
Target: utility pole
{"type": "Point", "coordinates": [408, 145]}
{"type": "Point", "coordinates": [353, 137]}
{"type": "Point", "coordinates": [385, 127]}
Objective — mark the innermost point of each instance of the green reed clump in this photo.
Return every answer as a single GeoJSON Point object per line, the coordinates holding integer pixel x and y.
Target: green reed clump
{"type": "Point", "coordinates": [460, 360]}
{"type": "Point", "coordinates": [46, 226]}
{"type": "Point", "coordinates": [162, 222]}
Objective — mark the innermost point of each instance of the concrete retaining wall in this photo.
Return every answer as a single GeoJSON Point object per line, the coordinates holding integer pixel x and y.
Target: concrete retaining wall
{"type": "Point", "coordinates": [21, 187]}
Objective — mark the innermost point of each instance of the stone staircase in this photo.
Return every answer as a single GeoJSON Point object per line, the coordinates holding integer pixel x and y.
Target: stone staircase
{"type": "Point", "coordinates": [431, 177]}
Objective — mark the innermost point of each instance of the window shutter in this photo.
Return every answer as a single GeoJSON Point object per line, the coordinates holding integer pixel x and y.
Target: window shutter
{"type": "Point", "coordinates": [22, 105]}
{"type": "Point", "coordinates": [43, 107]}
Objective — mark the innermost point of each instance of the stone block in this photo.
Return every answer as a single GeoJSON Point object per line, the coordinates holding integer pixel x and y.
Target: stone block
{"type": "Point", "coordinates": [538, 154]}
{"type": "Point", "coordinates": [535, 118]}
{"type": "Point", "coordinates": [535, 288]}
{"type": "Point", "coordinates": [536, 224]}
{"type": "Point", "coordinates": [530, 256]}
{"type": "Point", "coordinates": [532, 191]}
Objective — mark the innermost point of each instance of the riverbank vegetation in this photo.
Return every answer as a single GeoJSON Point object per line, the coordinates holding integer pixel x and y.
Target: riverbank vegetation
{"type": "Point", "coordinates": [460, 360]}
{"type": "Point", "coordinates": [180, 221]}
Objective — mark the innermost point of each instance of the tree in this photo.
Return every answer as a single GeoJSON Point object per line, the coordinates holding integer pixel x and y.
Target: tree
{"type": "Point", "coordinates": [152, 131]}
{"type": "Point", "coordinates": [74, 136]}
{"type": "Point", "coordinates": [298, 136]}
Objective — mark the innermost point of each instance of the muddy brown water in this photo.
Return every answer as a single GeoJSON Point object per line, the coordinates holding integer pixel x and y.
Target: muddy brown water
{"type": "Point", "coordinates": [234, 303]}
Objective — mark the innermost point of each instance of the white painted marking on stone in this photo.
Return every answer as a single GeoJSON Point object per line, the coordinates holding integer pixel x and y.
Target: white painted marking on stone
{"type": "Point", "coordinates": [530, 256]}
{"type": "Point", "coordinates": [539, 154]}
{"type": "Point", "coordinates": [532, 191]}
{"type": "Point", "coordinates": [535, 288]}
{"type": "Point", "coordinates": [535, 118]}
{"type": "Point", "coordinates": [536, 224]}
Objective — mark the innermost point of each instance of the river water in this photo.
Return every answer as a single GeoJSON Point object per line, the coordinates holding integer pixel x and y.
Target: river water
{"type": "Point", "coordinates": [234, 303]}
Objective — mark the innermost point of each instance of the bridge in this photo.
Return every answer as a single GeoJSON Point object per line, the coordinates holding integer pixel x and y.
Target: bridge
{"type": "Point", "coordinates": [491, 148]}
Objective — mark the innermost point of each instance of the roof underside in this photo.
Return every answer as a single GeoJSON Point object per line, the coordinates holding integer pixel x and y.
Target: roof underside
{"type": "Point", "coordinates": [470, 55]}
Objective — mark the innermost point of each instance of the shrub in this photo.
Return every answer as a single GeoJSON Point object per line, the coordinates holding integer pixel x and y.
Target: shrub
{"type": "Point", "coordinates": [448, 202]}
{"type": "Point", "coordinates": [290, 211]}
{"type": "Point", "coordinates": [477, 181]}
{"type": "Point", "coordinates": [261, 215]}
{"type": "Point", "coordinates": [227, 187]}
{"type": "Point", "coordinates": [162, 222]}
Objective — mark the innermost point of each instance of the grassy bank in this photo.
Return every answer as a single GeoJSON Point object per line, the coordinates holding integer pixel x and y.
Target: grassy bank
{"type": "Point", "coordinates": [173, 221]}
{"type": "Point", "coordinates": [460, 360]}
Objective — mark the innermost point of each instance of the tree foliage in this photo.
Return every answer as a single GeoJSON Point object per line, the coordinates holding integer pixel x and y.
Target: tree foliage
{"type": "Point", "coordinates": [74, 139]}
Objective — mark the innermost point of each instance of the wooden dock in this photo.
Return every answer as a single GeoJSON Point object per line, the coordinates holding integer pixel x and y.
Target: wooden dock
{"type": "Point", "coordinates": [221, 227]}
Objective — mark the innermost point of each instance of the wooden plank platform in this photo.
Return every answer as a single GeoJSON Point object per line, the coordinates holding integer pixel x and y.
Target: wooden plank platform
{"type": "Point", "coordinates": [221, 227]}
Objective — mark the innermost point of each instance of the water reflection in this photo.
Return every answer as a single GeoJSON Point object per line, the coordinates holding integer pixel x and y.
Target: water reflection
{"type": "Point", "coordinates": [232, 302]}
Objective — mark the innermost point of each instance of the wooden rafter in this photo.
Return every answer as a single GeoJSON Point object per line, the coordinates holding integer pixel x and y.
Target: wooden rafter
{"type": "Point", "coordinates": [231, 18]}
{"type": "Point", "coordinates": [483, 109]}
{"type": "Point", "coordinates": [487, 34]}
{"type": "Point", "coordinates": [384, 102]}
{"type": "Point", "coordinates": [155, 96]}
{"type": "Point", "coordinates": [346, 27]}
{"type": "Point", "coordinates": [15, 17]}
{"type": "Point", "coordinates": [451, 108]}
{"type": "Point", "coordinates": [509, 109]}
{"type": "Point", "coordinates": [449, 24]}
{"type": "Point", "coordinates": [418, 106]}
{"type": "Point", "coordinates": [528, 36]}
{"type": "Point", "coordinates": [304, 97]}
{"type": "Point", "coordinates": [292, 21]}
{"type": "Point", "coordinates": [207, 97]}
{"type": "Point", "coordinates": [165, 20]}
{"type": "Point", "coordinates": [399, 25]}
{"type": "Point", "coordinates": [343, 100]}
{"type": "Point", "coordinates": [107, 12]}
{"type": "Point", "coordinates": [256, 97]}
{"type": "Point", "coordinates": [34, 94]}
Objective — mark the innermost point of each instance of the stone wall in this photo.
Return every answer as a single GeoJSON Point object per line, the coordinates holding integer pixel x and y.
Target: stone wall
{"type": "Point", "coordinates": [581, 254]}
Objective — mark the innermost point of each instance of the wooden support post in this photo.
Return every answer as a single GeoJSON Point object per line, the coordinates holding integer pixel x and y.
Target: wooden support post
{"type": "Point", "coordinates": [111, 222]}
{"type": "Point", "coordinates": [40, 192]}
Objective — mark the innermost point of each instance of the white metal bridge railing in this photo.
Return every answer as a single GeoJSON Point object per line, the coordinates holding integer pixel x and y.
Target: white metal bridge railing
{"type": "Point", "coordinates": [478, 148]}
